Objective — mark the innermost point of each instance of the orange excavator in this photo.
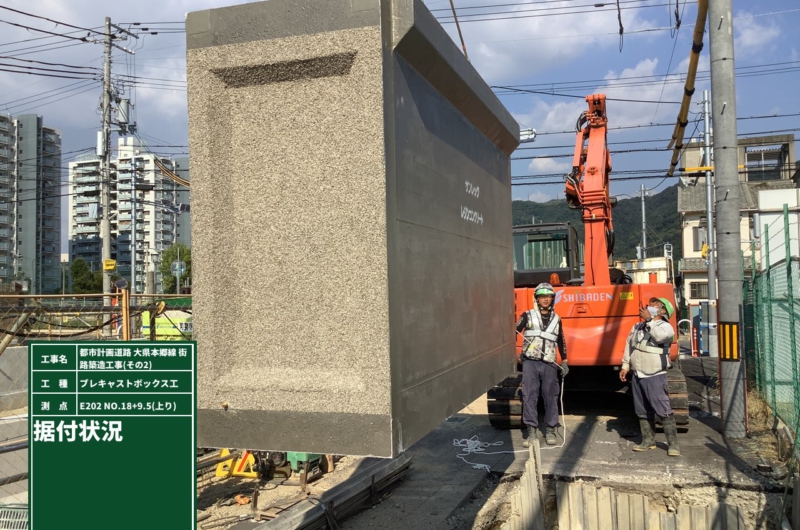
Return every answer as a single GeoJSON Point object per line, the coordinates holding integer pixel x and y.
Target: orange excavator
{"type": "Point", "coordinates": [597, 310]}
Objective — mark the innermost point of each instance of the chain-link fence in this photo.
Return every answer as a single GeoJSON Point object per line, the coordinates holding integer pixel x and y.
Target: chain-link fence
{"type": "Point", "coordinates": [64, 318]}
{"type": "Point", "coordinates": [772, 324]}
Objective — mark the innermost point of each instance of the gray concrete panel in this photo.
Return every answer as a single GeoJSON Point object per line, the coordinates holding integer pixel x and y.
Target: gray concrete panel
{"type": "Point", "coordinates": [351, 226]}
{"type": "Point", "coordinates": [453, 277]}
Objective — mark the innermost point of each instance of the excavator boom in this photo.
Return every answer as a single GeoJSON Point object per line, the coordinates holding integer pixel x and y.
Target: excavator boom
{"type": "Point", "coordinates": [587, 189]}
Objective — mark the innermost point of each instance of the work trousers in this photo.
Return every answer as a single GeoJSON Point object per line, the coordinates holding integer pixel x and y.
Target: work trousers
{"type": "Point", "coordinates": [650, 396]}
{"type": "Point", "coordinates": [536, 376]}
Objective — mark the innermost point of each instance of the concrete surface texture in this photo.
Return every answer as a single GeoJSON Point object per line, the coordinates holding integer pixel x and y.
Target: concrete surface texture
{"type": "Point", "coordinates": [351, 225]}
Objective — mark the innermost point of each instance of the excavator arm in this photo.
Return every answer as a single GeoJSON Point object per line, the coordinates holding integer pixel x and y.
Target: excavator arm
{"type": "Point", "coordinates": [587, 189]}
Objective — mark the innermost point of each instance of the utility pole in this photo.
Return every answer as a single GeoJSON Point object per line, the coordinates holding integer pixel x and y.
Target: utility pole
{"type": "Point", "coordinates": [644, 224]}
{"type": "Point", "coordinates": [134, 172]}
{"type": "Point", "coordinates": [728, 237]}
{"type": "Point", "coordinates": [713, 350]}
{"type": "Point", "coordinates": [105, 169]}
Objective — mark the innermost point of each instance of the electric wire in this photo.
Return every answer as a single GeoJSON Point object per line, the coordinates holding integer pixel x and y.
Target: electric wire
{"type": "Point", "coordinates": [62, 35]}
{"type": "Point", "coordinates": [672, 55]}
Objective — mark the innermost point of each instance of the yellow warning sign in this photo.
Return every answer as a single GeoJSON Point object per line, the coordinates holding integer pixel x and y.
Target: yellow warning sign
{"type": "Point", "coordinates": [626, 296]}
{"type": "Point", "coordinates": [728, 338]}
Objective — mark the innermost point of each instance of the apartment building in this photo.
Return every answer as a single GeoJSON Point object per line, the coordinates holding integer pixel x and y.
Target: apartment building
{"type": "Point", "coordinates": [765, 163]}
{"type": "Point", "coordinates": [30, 210]}
{"type": "Point", "coordinates": [143, 212]}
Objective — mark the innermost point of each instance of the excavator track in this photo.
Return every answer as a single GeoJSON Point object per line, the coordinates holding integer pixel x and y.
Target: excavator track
{"type": "Point", "coordinates": [504, 401]}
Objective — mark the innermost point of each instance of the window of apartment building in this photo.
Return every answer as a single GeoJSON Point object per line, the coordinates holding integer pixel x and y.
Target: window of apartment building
{"type": "Point", "coordinates": [698, 290]}
{"type": "Point", "coordinates": [698, 238]}
{"type": "Point", "coordinates": [764, 163]}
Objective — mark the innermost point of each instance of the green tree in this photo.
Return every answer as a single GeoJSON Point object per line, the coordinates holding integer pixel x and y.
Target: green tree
{"type": "Point", "coordinates": [84, 281]}
{"type": "Point", "coordinates": [167, 257]}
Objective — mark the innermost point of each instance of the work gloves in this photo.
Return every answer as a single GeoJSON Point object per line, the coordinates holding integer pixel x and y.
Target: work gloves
{"type": "Point", "coordinates": [564, 368]}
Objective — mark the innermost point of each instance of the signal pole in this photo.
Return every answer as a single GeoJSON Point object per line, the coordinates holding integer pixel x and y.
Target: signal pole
{"type": "Point", "coordinates": [713, 350]}
{"type": "Point", "coordinates": [728, 237]}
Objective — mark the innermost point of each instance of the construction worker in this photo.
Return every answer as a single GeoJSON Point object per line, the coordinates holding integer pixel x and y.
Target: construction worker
{"type": "Point", "coordinates": [647, 356]}
{"type": "Point", "coordinates": [542, 333]}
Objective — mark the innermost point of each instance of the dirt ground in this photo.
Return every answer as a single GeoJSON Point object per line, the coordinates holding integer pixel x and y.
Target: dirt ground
{"type": "Point", "coordinates": [762, 509]}
{"type": "Point", "coordinates": [488, 507]}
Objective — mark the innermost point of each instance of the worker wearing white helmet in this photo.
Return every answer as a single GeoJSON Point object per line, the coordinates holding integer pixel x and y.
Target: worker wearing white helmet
{"type": "Point", "coordinates": [647, 356]}
{"type": "Point", "coordinates": [542, 332]}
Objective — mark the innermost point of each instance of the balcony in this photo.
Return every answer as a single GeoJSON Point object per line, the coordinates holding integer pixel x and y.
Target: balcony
{"type": "Point", "coordinates": [693, 265]}
{"type": "Point", "coordinates": [4, 246]}
{"type": "Point", "coordinates": [3, 207]}
{"type": "Point", "coordinates": [4, 232]}
{"type": "Point", "coordinates": [88, 179]}
{"type": "Point", "coordinates": [4, 219]}
{"type": "Point", "coordinates": [87, 230]}
{"type": "Point", "coordinates": [84, 189]}
{"type": "Point", "coordinates": [87, 200]}
{"type": "Point", "coordinates": [4, 125]}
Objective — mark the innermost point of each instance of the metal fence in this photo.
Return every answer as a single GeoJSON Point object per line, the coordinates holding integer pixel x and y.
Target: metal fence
{"type": "Point", "coordinates": [772, 324]}
{"type": "Point", "coordinates": [65, 318]}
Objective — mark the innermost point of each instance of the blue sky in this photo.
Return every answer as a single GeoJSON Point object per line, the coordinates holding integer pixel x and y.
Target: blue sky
{"type": "Point", "coordinates": [576, 42]}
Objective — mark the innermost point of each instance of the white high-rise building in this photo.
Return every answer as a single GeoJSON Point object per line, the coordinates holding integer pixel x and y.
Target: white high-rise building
{"type": "Point", "coordinates": [30, 174]}
{"type": "Point", "coordinates": [137, 185]}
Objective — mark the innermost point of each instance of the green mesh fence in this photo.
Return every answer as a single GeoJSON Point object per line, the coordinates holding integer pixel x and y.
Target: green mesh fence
{"type": "Point", "coordinates": [770, 312]}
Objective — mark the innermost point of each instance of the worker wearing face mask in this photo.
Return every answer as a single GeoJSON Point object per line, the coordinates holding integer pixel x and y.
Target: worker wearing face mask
{"type": "Point", "coordinates": [647, 356]}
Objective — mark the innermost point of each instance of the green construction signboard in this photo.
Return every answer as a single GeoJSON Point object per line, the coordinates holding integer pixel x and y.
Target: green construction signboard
{"type": "Point", "coordinates": [112, 435]}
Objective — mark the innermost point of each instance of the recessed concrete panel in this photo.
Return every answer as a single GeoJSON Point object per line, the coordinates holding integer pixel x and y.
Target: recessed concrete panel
{"type": "Point", "coordinates": [351, 226]}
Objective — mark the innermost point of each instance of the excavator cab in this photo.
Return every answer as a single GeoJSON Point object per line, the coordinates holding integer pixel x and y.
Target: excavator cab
{"type": "Point", "coordinates": [542, 250]}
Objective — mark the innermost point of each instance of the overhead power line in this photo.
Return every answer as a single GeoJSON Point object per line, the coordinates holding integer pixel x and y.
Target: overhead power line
{"type": "Point", "coordinates": [578, 12]}
{"type": "Point", "coordinates": [42, 74]}
{"type": "Point", "coordinates": [49, 20]}
{"type": "Point", "coordinates": [543, 92]}
{"type": "Point", "coordinates": [50, 64]}
{"type": "Point", "coordinates": [62, 35]}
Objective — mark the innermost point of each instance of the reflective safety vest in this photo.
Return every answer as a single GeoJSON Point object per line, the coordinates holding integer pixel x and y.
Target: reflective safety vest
{"type": "Point", "coordinates": [647, 356]}
{"type": "Point", "coordinates": [540, 343]}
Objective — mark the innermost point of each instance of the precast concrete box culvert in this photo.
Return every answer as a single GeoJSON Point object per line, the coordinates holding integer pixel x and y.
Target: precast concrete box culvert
{"type": "Point", "coordinates": [351, 205]}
